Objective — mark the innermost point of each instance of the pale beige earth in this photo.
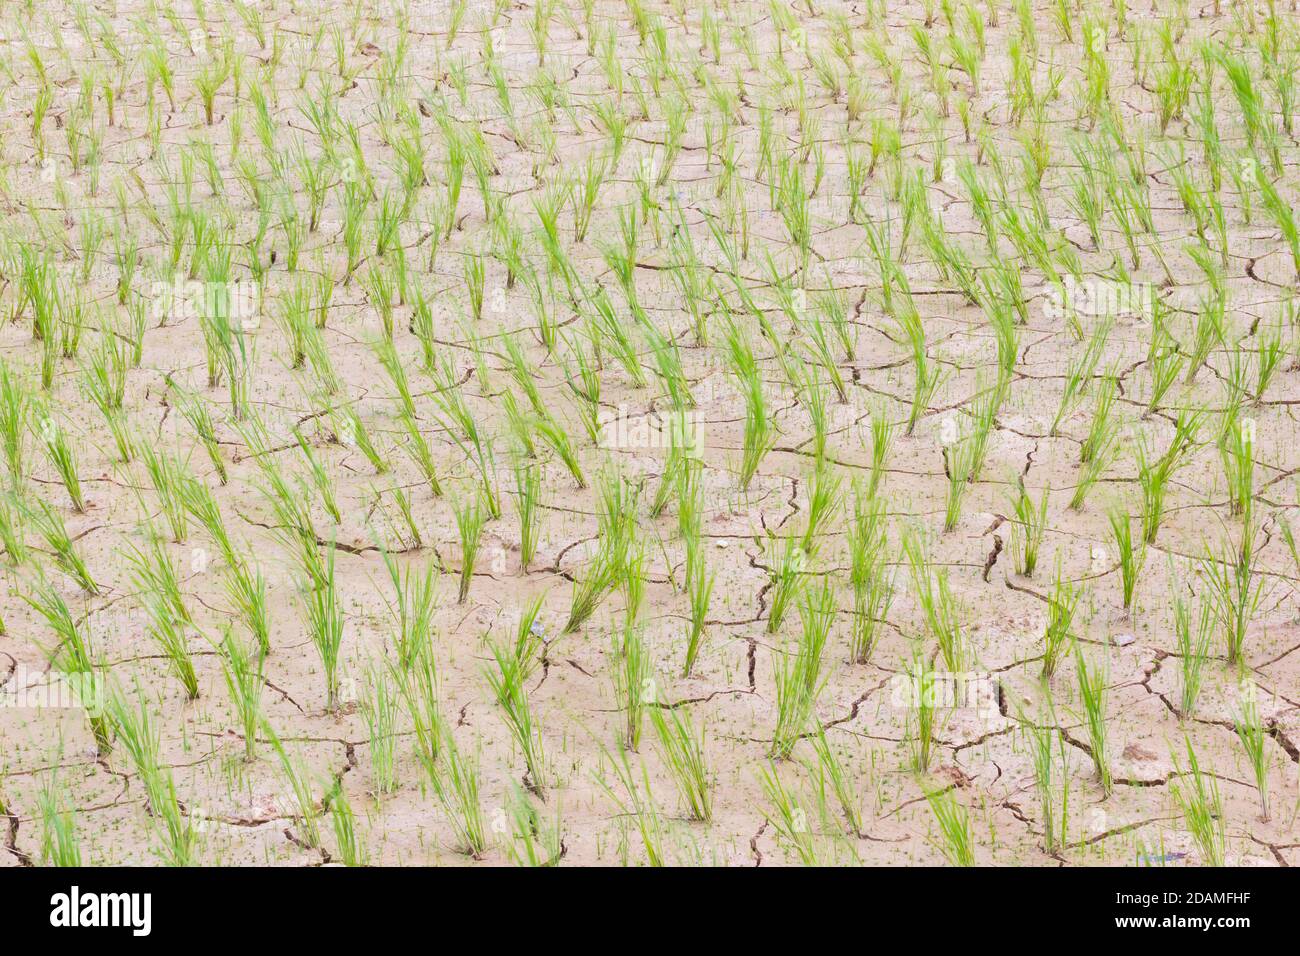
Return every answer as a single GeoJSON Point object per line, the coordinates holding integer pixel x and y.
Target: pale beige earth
{"type": "Point", "coordinates": [245, 811]}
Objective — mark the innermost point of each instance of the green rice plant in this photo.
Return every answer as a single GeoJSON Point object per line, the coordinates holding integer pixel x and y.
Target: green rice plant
{"type": "Point", "coordinates": [869, 574]}
{"type": "Point", "coordinates": [882, 436]}
{"type": "Point", "coordinates": [1101, 433]}
{"type": "Point", "coordinates": [759, 431]}
{"type": "Point", "coordinates": [699, 589]}
{"type": "Point", "coordinates": [71, 651]}
{"type": "Point", "coordinates": [417, 447]}
{"type": "Point", "coordinates": [925, 376]}
{"type": "Point", "coordinates": [198, 413]}
{"type": "Point", "coordinates": [528, 486]}
{"type": "Point", "coordinates": [415, 602]}
{"type": "Point", "coordinates": [786, 816]}
{"type": "Point", "coordinates": [590, 590]}
{"type": "Point", "coordinates": [60, 842]}
{"type": "Point", "coordinates": [799, 680]}
{"type": "Point", "coordinates": [157, 583]}
{"type": "Point", "coordinates": [1092, 695]}
{"type": "Point", "coordinates": [49, 525]}
{"type": "Point", "coordinates": [1153, 476]}
{"type": "Point", "coordinates": [242, 668]}
{"type": "Point", "coordinates": [958, 844]}
{"type": "Point", "coordinates": [823, 499]}
{"type": "Point", "coordinates": [1268, 358]}
{"type": "Point", "coordinates": [682, 750]}
{"type": "Point", "coordinates": [464, 429]}
{"type": "Point", "coordinates": [1057, 636]}
{"type": "Point", "coordinates": [470, 519]}
{"type": "Point", "coordinates": [507, 682]}
{"type": "Point", "coordinates": [557, 437]}
{"type": "Point", "coordinates": [56, 444]}
{"type": "Point", "coordinates": [1236, 451]}
{"type": "Point", "coordinates": [475, 281]}
{"type": "Point", "coordinates": [640, 808]}
{"type": "Point", "coordinates": [1079, 374]}
{"type": "Point", "coordinates": [15, 407]}
{"type": "Point", "coordinates": [1042, 736]}
{"type": "Point", "coordinates": [958, 466]}
{"type": "Point", "coordinates": [12, 536]}
{"type": "Point", "coordinates": [1166, 363]}
{"type": "Point", "coordinates": [300, 784]}
{"type": "Point", "coordinates": [922, 710]}
{"type": "Point", "coordinates": [1234, 592]}
{"type": "Point", "coordinates": [1131, 558]}
{"type": "Point", "coordinates": [1193, 643]}
{"type": "Point", "coordinates": [1028, 528]}
{"type": "Point", "coordinates": [940, 607]}
{"type": "Point", "coordinates": [247, 593]}
{"type": "Point", "coordinates": [634, 685]}
{"type": "Point", "coordinates": [1197, 795]}
{"type": "Point", "coordinates": [167, 475]}
{"type": "Point", "coordinates": [352, 433]}
{"type": "Point", "coordinates": [456, 781]}
{"type": "Point", "coordinates": [320, 477]}
{"type": "Point", "coordinates": [533, 841]}
{"type": "Point", "coordinates": [1254, 736]}
{"type": "Point", "coordinates": [346, 839]}
{"type": "Point", "coordinates": [830, 766]}
{"type": "Point", "coordinates": [380, 709]}
{"type": "Point", "coordinates": [325, 623]}
{"type": "Point", "coordinates": [786, 570]}
{"type": "Point", "coordinates": [138, 735]}
{"type": "Point", "coordinates": [105, 382]}
{"type": "Point", "coordinates": [1209, 332]}
{"type": "Point", "coordinates": [1283, 216]}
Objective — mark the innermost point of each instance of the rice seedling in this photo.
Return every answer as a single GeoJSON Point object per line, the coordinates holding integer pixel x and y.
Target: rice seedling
{"type": "Point", "coordinates": [49, 525]}
{"type": "Point", "coordinates": [939, 605]}
{"type": "Point", "coordinates": [681, 747]}
{"type": "Point", "coordinates": [347, 841]}
{"type": "Point", "coordinates": [242, 669]}
{"type": "Point", "coordinates": [533, 841]}
{"type": "Point", "coordinates": [470, 518]}
{"type": "Point", "coordinates": [1253, 736]}
{"type": "Point", "coordinates": [1197, 795]}
{"type": "Point", "coordinates": [1042, 736]}
{"type": "Point", "coordinates": [55, 440]}
{"type": "Point", "coordinates": [137, 734]}
{"type": "Point", "coordinates": [300, 785]}
{"type": "Point", "coordinates": [870, 576]}
{"type": "Point", "coordinates": [799, 680]}
{"type": "Point", "coordinates": [507, 683]}
{"type": "Point", "coordinates": [1131, 558]}
{"type": "Point", "coordinates": [1061, 607]}
{"type": "Point", "coordinates": [456, 782]}
{"type": "Point", "coordinates": [1234, 592]}
{"type": "Point", "coordinates": [325, 623]}
{"type": "Point", "coordinates": [1092, 695]}
{"type": "Point", "coordinates": [958, 844]}
{"type": "Point", "coordinates": [60, 841]}
{"type": "Point", "coordinates": [1028, 529]}
{"type": "Point", "coordinates": [787, 817]}
{"type": "Point", "coordinates": [1153, 476]}
{"type": "Point", "coordinates": [157, 583]}
{"type": "Point", "coordinates": [786, 570]}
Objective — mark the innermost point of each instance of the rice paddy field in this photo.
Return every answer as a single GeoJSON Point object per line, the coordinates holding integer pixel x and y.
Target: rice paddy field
{"type": "Point", "coordinates": [580, 432]}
